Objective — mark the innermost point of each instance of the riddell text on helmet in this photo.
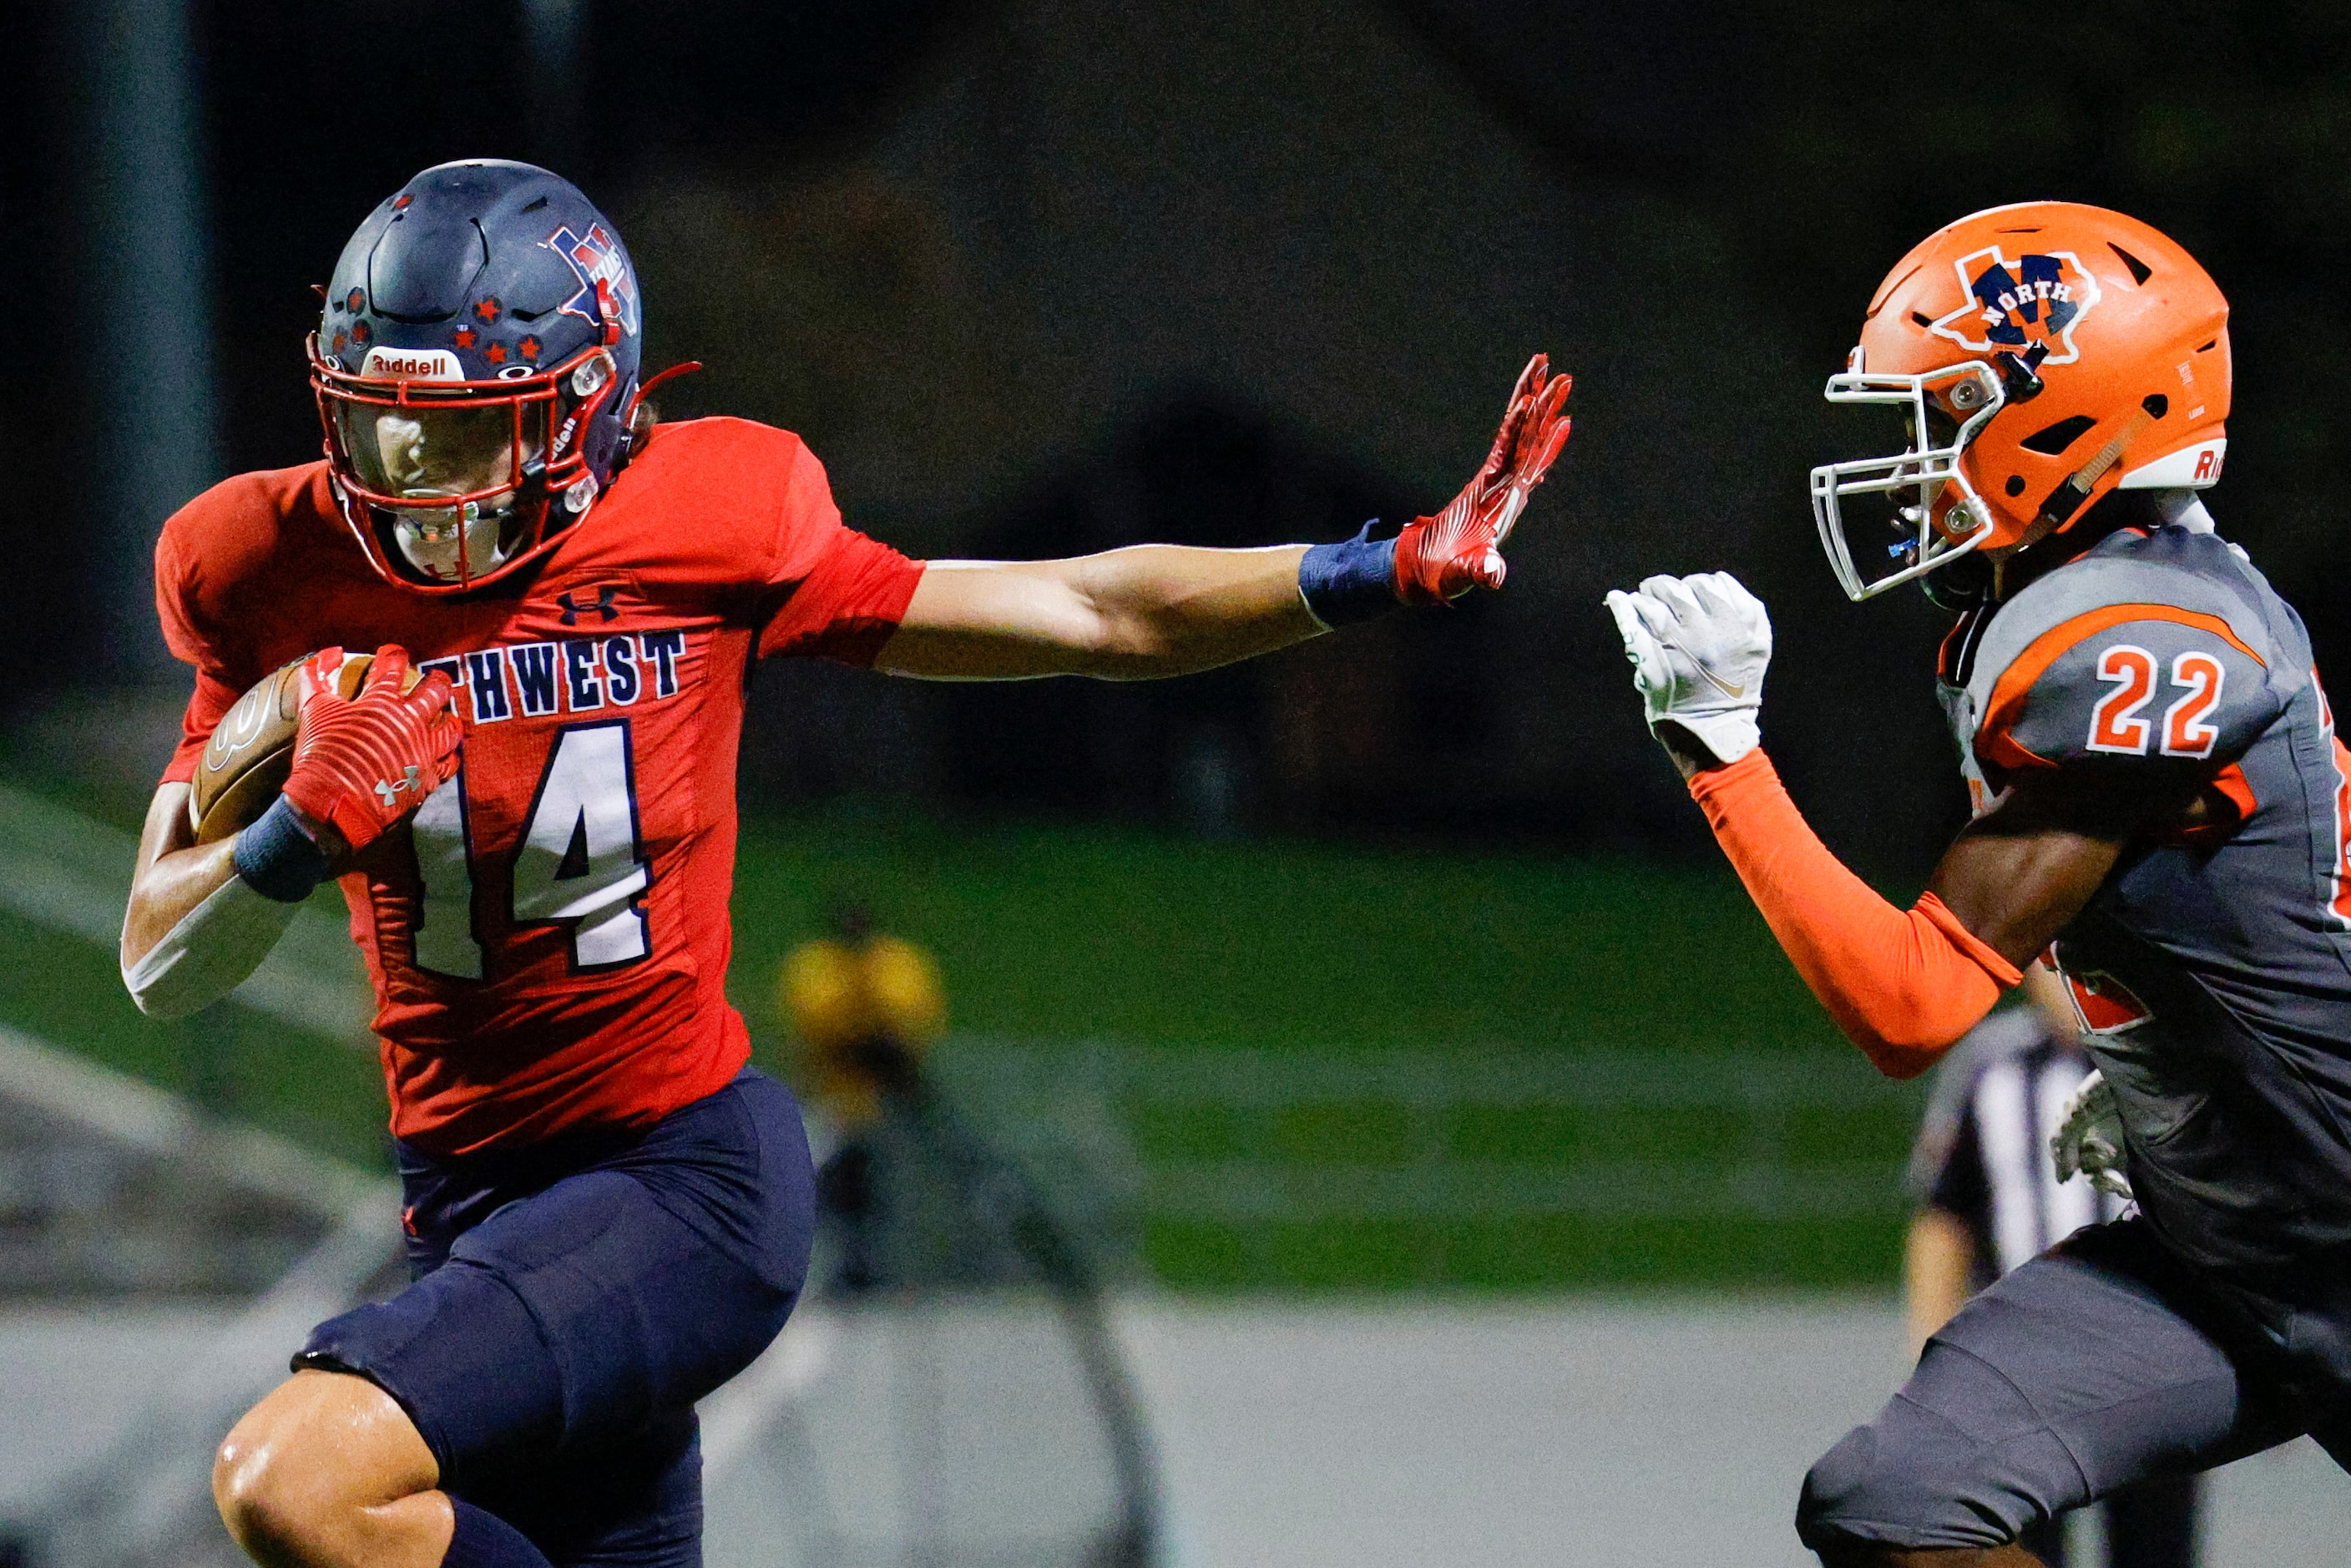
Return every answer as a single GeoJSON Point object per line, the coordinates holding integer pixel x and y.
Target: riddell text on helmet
{"type": "Point", "coordinates": [413, 365]}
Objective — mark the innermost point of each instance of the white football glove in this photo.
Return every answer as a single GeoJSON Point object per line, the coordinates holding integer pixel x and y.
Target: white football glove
{"type": "Point", "coordinates": [2089, 1141]}
{"type": "Point", "coordinates": [1700, 646]}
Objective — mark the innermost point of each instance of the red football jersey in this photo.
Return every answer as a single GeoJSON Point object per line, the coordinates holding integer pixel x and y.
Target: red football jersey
{"type": "Point", "coordinates": [548, 941]}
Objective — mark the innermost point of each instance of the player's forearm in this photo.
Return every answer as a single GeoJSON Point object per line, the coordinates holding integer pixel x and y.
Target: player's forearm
{"type": "Point", "coordinates": [1903, 984]}
{"type": "Point", "coordinates": [193, 929]}
{"type": "Point", "coordinates": [1126, 614]}
{"type": "Point", "coordinates": [167, 892]}
{"type": "Point", "coordinates": [173, 873]}
{"type": "Point", "coordinates": [1169, 610]}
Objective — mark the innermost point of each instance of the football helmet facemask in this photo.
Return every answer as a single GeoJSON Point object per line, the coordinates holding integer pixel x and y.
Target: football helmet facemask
{"type": "Point", "coordinates": [2040, 355]}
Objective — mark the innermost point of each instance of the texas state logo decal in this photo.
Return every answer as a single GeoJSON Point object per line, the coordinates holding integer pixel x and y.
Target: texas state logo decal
{"type": "Point", "coordinates": [605, 288]}
{"type": "Point", "coordinates": [2015, 306]}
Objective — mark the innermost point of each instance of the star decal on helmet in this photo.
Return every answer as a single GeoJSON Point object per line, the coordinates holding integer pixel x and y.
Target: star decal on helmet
{"type": "Point", "coordinates": [488, 307]}
{"type": "Point", "coordinates": [496, 353]}
{"type": "Point", "coordinates": [464, 337]}
{"type": "Point", "coordinates": [2013, 306]}
{"type": "Point", "coordinates": [527, 348]}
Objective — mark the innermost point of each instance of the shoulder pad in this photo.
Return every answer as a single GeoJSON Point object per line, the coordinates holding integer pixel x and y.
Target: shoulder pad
{"type": "Point", "coordinates": [2118, 655]}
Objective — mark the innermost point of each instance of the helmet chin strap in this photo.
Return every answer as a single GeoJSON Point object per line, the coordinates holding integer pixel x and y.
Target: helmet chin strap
{"type": "Point", "coordinates": [2067, 499]}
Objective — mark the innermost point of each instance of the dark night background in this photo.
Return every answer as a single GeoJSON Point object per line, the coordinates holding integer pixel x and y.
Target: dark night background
{"type": "Point", "coordinates": [1038, 278]}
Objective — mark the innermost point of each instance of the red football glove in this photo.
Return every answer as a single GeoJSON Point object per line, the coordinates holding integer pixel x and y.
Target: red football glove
{"type": "Point", "coordinates": [1445, 556]}
{"type": "Point", "coordinates": [362, 763]}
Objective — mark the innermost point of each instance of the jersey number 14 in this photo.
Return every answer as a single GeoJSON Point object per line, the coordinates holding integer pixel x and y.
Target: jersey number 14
{"type": "Point", "coordinates": [581, 863]}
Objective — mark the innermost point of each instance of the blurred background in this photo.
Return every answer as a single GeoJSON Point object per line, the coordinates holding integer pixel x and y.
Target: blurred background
{"type": "Point", "coordinates": [1456, 1152]}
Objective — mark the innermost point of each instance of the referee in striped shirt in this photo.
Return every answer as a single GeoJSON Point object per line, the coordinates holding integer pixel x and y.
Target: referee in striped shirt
{"type": "Point", "coordinates": [1988, 1199]}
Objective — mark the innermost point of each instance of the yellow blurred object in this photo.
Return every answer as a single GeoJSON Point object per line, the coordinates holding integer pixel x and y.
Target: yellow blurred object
{"type": "Point", "coordinates": [841, 995]}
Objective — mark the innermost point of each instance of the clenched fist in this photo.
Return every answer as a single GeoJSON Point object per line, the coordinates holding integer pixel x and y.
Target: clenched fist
{"type": "Point", "coordinates": [1700, 646]}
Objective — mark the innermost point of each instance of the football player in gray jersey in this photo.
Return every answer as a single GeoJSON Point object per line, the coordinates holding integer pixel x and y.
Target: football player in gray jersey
{"type": "Point", "coordinates": [2161, 807]}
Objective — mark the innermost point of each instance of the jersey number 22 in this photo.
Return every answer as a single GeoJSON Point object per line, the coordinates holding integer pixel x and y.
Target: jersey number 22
{"type": "Point", "coordinates": [2116, 725]}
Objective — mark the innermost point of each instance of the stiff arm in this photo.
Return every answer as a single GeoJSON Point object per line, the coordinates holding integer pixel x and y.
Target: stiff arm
{"type": "Point", "coordinates": [1156, 609]}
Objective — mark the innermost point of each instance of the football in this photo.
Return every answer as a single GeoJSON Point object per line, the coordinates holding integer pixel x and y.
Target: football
{"type": "Point", "coordinates": [249, 755]}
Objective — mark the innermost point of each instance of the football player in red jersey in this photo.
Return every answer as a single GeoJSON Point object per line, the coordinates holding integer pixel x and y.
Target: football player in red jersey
{"type": "Point", "coordinates": [608, 1213]}
{"type": "Point", "coordinates": [2158, 791]}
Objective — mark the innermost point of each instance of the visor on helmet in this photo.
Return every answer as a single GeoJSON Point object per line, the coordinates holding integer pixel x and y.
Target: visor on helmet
{"type": "Point", "coordinates": [423, 449]}
{"type": "Point", "coordinates": [1917, 510]}
{"type": "Point", "coordinates": [443, 478]}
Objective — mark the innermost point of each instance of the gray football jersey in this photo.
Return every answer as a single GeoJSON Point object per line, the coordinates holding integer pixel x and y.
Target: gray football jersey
{"type": "Point", "coordinates": [2213, 967]}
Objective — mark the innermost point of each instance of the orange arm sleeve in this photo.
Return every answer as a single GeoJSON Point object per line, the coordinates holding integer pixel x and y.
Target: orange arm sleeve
{"type": "Point", "coordinates": [1903, 984]}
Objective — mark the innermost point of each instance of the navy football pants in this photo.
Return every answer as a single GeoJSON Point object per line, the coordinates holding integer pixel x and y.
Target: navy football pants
{"type": "Point", "coordinates": [571, 1302]}
{"type": "Point", "coordinates": [2102, 1362]}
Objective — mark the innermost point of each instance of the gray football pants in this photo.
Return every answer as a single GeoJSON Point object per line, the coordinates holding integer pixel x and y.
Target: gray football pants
{"type": "Point", "coordinates": [2101, 1362]}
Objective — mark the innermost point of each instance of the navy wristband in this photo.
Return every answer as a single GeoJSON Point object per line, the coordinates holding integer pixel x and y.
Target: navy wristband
{"type": "Point", "coordinates": [1352, 580]}
{"type": "Point", "coordinates": [278, 857]}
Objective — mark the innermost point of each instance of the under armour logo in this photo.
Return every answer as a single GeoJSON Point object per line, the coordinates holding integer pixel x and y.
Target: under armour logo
{"type": "Point", "coordinates": [603, 605]}
{"type": "Point", "coordinates": [392, 792]}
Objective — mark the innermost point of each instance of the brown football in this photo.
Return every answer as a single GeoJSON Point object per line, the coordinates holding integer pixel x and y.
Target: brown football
{"type": "Point", "coordinates": [245, 762]}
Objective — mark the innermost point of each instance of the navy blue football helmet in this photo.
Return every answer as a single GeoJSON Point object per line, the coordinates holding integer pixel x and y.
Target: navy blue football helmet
{"type": "Point", "coordinates": [476, 366]}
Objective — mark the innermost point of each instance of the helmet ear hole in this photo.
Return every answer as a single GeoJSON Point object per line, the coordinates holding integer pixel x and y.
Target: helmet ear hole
{"type": "Point", "coordinates": [2051, 440]}
{"type": "Point", "coordinates": [2015, 486]}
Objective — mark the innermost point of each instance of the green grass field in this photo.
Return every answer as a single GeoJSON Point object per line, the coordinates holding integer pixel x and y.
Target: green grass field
{"type": "Point", "coordinates": [1055, 937]}
{"type": "Point", "coordinates": [1073, 933]}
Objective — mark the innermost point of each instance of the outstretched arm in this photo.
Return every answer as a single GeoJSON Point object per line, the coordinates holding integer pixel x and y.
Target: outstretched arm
{"type": "Point", "coordinates": [1169, 610]}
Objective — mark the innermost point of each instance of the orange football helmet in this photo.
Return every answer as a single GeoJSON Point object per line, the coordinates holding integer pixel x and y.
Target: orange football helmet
{"type": "Point", "coordinates": [2045, 354]}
